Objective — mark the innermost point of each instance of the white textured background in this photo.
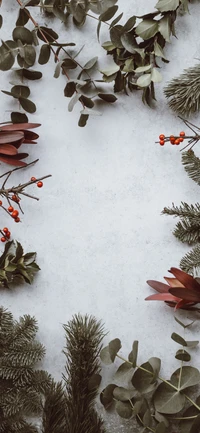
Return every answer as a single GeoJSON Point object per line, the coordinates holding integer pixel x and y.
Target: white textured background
{"type": "Point", "coordinates": [98, 229]}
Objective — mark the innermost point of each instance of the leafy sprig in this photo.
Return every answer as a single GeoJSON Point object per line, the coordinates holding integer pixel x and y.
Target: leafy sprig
{"type": "Point", "coordinates": [135, 62]}
{"type": "Point", "coordinates": [15, 266]}
{"type": "Point", "coordinates": [153, 401]}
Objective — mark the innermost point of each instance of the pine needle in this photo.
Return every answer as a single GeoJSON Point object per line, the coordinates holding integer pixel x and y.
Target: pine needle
{"type": "Point", "coordinates": [191, 164]}
{"type": "Point", "coordinates": [184, 92]}
{"type": "Point", "coordinates": [83, 345]}
{"type": "Point", "coordinates": [190, 263]}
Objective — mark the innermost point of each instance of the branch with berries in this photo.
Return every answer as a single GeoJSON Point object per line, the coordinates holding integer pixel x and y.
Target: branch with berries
{"type": "Point", "coordinates": [13, 195]}
{"type": "Point", "coordinates": [178, 139]}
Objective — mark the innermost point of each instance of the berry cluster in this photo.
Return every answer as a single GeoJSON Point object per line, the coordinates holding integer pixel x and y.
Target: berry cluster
{"type": "Point", "coordinates": [39, 184]}
{"type": "Point", "coordinates": [5, 234]}
{"type": "Point", "coordinates": [172, 139]}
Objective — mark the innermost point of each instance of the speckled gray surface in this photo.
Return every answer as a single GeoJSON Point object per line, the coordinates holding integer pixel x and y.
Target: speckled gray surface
{"type": "Point", "coordinates": [98, 229]}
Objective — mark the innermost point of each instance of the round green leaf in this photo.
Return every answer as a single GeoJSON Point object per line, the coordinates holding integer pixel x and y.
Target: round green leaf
{"type": "Point", "coordinates": [106, 396]}
{"type": "Point", "coordinates": [142, 380]}
{"type": "Point", "coordinates": [7, 59]}
{"type": "Point", "coordinates": [105, 354]}
{"type": "Point", "coordinates": [90, 63]}
{"type": "Point", "coordinates": [23, 34]}
{"type": "Point", "coordinates": [45, 53]}
{"type": "Point", "coordinates": [124, 409]}
{"type": "Point", "coordinates": [19, 117]}
{"type": "Point", "coordinates": [156, 76]}
{"type": "Point", "coordinates": [27, 105]}
{"type": "Point", "coordinates": [123, 394]}
{"type": "Point", "coordinates": [22, 18]}
{"type": "Point", "coordinates": [114, 347]}
{"type": "Point", "coordinates": [167, 400]}
{"type": "Point", "coordinates": [190, 376]}
{"type": "Point", "coordinates": [178, 339]}
{"type": "Point", "coordinates": [182, 355]}
{"type": "Point", "coordinates": [20, 91]}
{"type": "Point", "coordinates": [129, 24]}
{"type": "Point", "coordinates": [30, 74]}
{"type": "Point", "coordinates": [107, 15]}
{"type": "Point", "coordinates": [134, 353]}
{"type": "Point", "coordinates": [45, 33]}
{"type": "Point", "coordinates": [83, 120]}
{"type": "Point", "coordinates": [123, 369]}
{"type": "Point", "coordinates": [69, 89]}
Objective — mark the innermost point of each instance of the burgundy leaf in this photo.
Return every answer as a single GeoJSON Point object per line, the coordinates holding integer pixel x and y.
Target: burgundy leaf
{"type": "Point", "coordinates": [186, 279]}
{"type": "Point", "coordinates": [183, 293]}
{"type": "Point", "coordinates": [157, 285]}
{"type": "Point", "coordinates": [19, 126]}
{"type": "Point", "coordinates": [20, 156]}
{"type": "Point", "coordinates": [8, 149]}
{"type": "Point", "coordinates": [29, 142]}
{"type": "Point", "coordinates": [12, 161]}
{"type": "Point", "coordinates": [29, 135]}
{"type": "Point", "coordinates": [9, 137]}
{"type": "Point", "coordinates": [18, 143]}
{"type": "Point", "coordinates": [162, 297]}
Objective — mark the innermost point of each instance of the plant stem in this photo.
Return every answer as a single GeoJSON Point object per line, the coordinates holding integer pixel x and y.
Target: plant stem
{"type": "Point", "coordinates": [162, 380]}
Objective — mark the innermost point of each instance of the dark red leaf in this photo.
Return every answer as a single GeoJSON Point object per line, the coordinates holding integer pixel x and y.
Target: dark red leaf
{"type": "Point", "coordinates": [29, 142]}
{"type": "Point", "coordinates": [10, 137]}
{"type": "Point", "coordinates": [8, 149]}
{"type": "Point", "coordinates": [20, 126]}
{"type": "Point", "coordinates": [12, 161]}
{"type": "Point", "coordinates": [185, 279]}
{"type": "Point", "coordinates": [29, 135]}
{"type": "Point", "coordinates": [188, 295]}
{"type": "Point", "coordinates": [20, 156]}
{"type": "Point", "coordinates": [18, 143]}
{"type": "Point", "coordinates": [162, 297]}
{"type": "Point", "coordinates": [160, 287]}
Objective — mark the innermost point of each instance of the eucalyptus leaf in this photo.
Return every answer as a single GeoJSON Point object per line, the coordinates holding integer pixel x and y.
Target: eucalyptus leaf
{"type": "Point", "coordinates": [160, 428]}
{"type": "Point", "coordinates": [83, 120]}
{"type": "Point", "coordinates": [143, 69]}
{"type": "Point", "coordinates": [111, 70]}
{"type": "Point", "coordinates": [30, 74]}
{"type": "Point", "coordinates": [182, 355]}
{"type": "Point", "coordinates": [123, 394]}
{"type": "Point", "coordinates": [116, 20]}
{"type": "Point", "coordinates": [147, 420]}
{"type": "Point", "coordinates": [143, 378]}
{"type": "Point", "coordinates": [147, 29]}
{"type": "Point", "coordinates": [69, 63]}
{"type": "Point", "coordinates": [18, 117]}
{"type": "Point", "coordinates": [114, 347]}
{"type": "Point", "coordinates": [20, 91]}
{"type": "Point", "coordinates": [7, 59]}
{"type": "Point", "coordinates": [190, 376]}
{"type": "Point", "coordinates": [123, 370]}
{"type": "Point", "coordinates": [90, 63]}
{"type": "Point", "coordinates": [134, 354]}
{"type": "Point", "coordinates": [45, 53]}
{"type": "Point", "coordinates": [23, 35]}
{"type": "Point", "coordinates": [115, 35]}
{"type": "Point", "coordinates": [73, 101]}
{"type": "Point", "coordinates": [156, 76]}
{"type": "Point", "coordinates": [167, 400]}
{"type": "Point", "coordinates": [106, 396]}
{"type": "Point", "coordinates": [27, 105]}
{"type": "Point", "coordinates": [124, 409]}
{"type": "Point", "coordinates": [69, 89]}
{"type": "Point", "coordinates": [129, 24]}
{"type": "Point", "coordinates": [90, 112]}
{"type": "Point", "coordinates": [49, 34]}
{"type": "Point", "coordinates": [107, 97]}
{"type": "Point", "coordinates": [23, 17]}
{"type": "Point", "coordinates": [108, 14]}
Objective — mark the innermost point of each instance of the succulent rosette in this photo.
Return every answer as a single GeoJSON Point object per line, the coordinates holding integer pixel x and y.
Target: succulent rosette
{"type": "Point", "coordinates": [181, 292]}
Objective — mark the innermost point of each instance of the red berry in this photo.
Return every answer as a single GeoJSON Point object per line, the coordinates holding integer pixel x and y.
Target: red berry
{"type": "Point", "coordinates": [17, 219]}
{"type": "Point", "coordinates": [33, 178]}
{"type": "Point", "coordinates": [10, 209]}
{"type": "Point", "coordinates": [3, 239]}
{"type": "Point", "coordinates": [1, 203]}
{"type": "Point", "coordinates": [177, 141]}
{"type": "Point", "coordinates": [161, 136]}
{"type": "Point", "coordinates": [15, 198]}
{"type": "Point", "coordinates": [181, 139]}
{"type": "Point", "coordinates": [5, 230]}
{"type": "Point", "coordinates": [162, 142]}
{"type": "Point", "coordinates": [8, 235]}
{"type": "Point", "coordinates": [40, 184]}
{"type": "Point", "coordinates": [182, 134]}
{"type": "Point", "coordinates": [15, 214]}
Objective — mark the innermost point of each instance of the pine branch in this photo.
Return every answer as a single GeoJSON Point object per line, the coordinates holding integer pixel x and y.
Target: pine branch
{"type": "Point", "coordinates": [54, 410]}
{"type": "Point", "coordinates": [191, 164]}
{"type": "Point", "coordinates": [186, 232]}
{"type": "Point", "coordinates": [83, 344]}
{"type": "Point", "coordinates": [190, 213]}
{"type": "Point", "coordinates": [190, 263]}
{"type": "Point", "coordinates": [184, 92]}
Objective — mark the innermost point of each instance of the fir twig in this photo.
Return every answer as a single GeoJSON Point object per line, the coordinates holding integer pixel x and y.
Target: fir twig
{"type": "Point", "coordinates": [83, 345]}
{"type": "Point", "coordinates": [184, 92]}
{"type": "Point", "coordinates": [54, 410]}
{"type": "Point", "coordinates": [186, 232]}
{"type": "Point", "coordinates": [190, 263]}
{"type": "Point", "coordinates": [191, 164]}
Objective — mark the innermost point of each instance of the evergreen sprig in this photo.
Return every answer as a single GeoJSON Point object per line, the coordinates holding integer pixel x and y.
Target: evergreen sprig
{"type": "Point", "coordinates": [190, 263]}
{"type": "Point", "coordinates": [183, 92]}
{"type": "Point", "coordinates": [21, 385]}
{"type": "Point", "coordinates": [191, 165]}
{"type": "Point", "coordinates": [84, 337]}
{"type": "Point", "coordinates": [188, 229]}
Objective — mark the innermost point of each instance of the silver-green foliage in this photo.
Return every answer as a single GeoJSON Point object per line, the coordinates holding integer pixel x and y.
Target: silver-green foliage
{"type": "Point", "coordinates": [136, 49]}
{"type": "Point", "coordinates": [153, 401]}
{"type": "Point", "coordinates": [15, 266]}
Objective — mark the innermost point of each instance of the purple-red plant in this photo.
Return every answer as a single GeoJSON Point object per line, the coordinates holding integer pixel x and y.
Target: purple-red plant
{"type": "Point", "coordinates": [182, 291]}
{"type": "Point", "coordinates": [12, 136]}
